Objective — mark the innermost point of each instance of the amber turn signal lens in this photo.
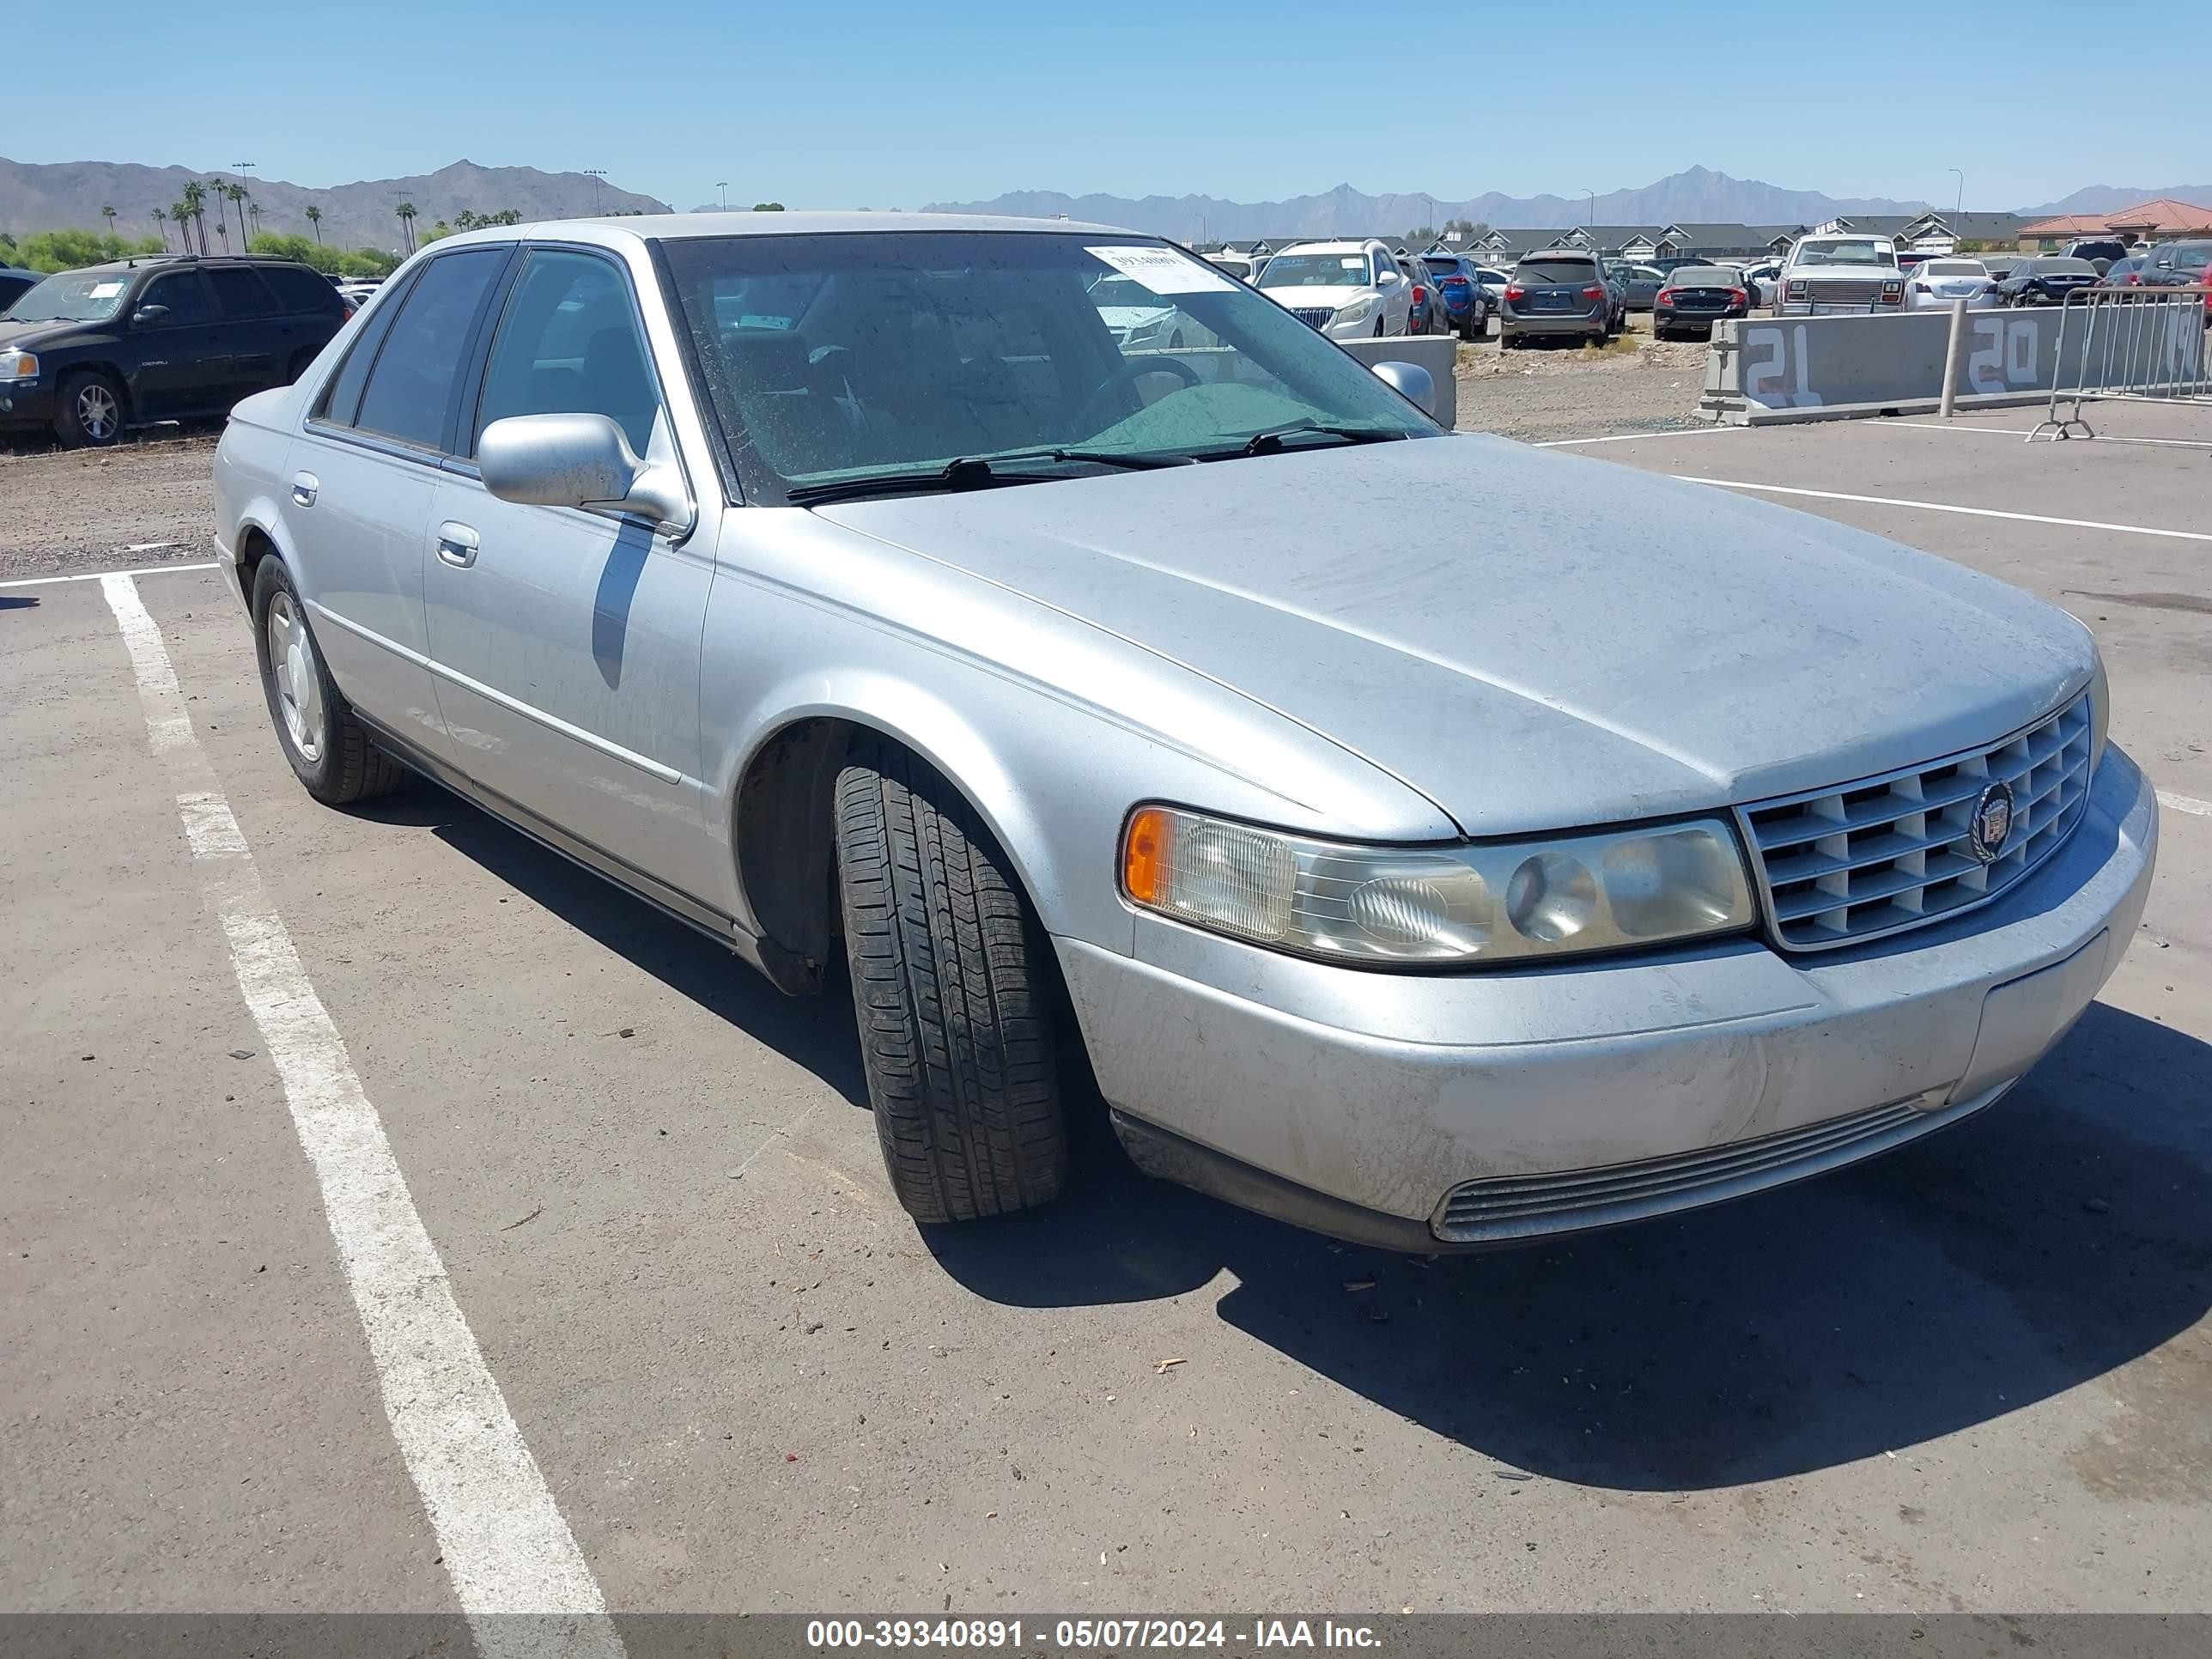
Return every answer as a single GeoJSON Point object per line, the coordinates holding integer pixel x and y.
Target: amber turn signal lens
{"type": "Point", "coordinates": [1144, 856]}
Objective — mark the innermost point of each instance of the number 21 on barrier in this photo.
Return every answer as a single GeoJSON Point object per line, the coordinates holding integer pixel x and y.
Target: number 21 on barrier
{"type": "Point", "coordinates": [1765, 382]}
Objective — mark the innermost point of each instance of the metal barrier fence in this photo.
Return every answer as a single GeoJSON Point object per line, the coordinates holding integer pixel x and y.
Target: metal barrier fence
{"type": "Point", "coordinates": [2128, 344]}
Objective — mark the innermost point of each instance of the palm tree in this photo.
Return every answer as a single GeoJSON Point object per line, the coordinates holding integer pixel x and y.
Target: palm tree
{"type": "Point", "coordinates": [222, 229]}
{"type": "Point", "coordinates": [236, 196]}
{"type": "Point", "coordinates": [108, 214]}
{"type": "Point", "coordinates": [162, 225]}
{"type": "Point", "coordinates": [252, 212]}
{"type": "Point", "coordinates": [315, 218]}
{"type": "Point", "coordinates": [406, 212]}
{"type": "Point", "coordinates": [191, 208]}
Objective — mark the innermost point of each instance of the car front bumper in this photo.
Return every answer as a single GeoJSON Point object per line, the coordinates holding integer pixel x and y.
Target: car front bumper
{"type": "Point", "coordinates": [26, 404]}
{"type": "Point", "coordinates": [1427, 1112]}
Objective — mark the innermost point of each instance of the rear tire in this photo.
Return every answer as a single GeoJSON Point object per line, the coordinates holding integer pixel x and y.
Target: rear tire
{"type": "Point", "coordinates": [330, 752]}
{"type": "Point", "coordinates": [91, 414]}
{"type": "Point", "coordinates": [1481, 330]}
{"type": "Point", "coordinates": [951, 982]}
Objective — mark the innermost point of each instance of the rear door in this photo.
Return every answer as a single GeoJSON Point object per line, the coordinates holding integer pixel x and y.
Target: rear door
{"type": "Point", "coordinates": [309, 312]}
{"type": "Point", "coordinates": [251, 329]}
{"type": "Point", "coordinates": [363, 475]}
{"type": "Point", "coordinates": [565, 644]}
{"type": "Point", "coordinates": [178, 360]}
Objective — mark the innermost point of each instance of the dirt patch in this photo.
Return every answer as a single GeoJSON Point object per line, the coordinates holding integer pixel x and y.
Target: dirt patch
{"type": "Point", "coordinates": [1546, 391]}
{"type": "Point", "coordinates": [147, 501]}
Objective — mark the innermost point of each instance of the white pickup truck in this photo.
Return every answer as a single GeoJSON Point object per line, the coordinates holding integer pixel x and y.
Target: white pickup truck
{"type": "Point", "coordinates": [1829, 275]}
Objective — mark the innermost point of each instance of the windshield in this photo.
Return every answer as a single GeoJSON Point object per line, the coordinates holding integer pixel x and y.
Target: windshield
{"type": "Point", "coordinates": [74, 296]}
{"type": "Point", "coordinates": [909, 351]}
{"type": "Point", "coordinates": [1316, 270]}
{"type": "Point", "coordinates": [1845, 253]}
{"type": "Point", "coordinates": [2188, 256]}
{"type": "Point", "coordinates": [1543, 271]}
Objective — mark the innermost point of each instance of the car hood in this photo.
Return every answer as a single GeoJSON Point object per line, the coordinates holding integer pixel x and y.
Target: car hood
{"type": "Point", "coordinates": [1532, 640]}
{"type": "Point", "coordinates": [32, 335]}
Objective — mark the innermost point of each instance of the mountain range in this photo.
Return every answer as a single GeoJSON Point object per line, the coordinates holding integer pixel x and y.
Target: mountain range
{"type": "Point", "coordinates": [1698, 196]}
{"type": "Point", "coordinates": [62, 195]}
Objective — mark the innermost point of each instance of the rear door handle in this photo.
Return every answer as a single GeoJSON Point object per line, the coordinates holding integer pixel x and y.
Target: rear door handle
{"type": "Point", "coordinates": [457, 544]}
{"type": "Point", "coordinates": [305, 487]}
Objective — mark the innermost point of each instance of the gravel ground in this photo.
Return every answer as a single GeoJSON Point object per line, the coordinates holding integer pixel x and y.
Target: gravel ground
{"type": "Point", "coordinates": [1563, 391]}
{"type": "Point", "coordinates": [147, 501]}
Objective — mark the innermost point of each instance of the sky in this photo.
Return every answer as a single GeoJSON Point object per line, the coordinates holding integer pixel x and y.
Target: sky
{"type": "Point", "coordinates": [862, 104]}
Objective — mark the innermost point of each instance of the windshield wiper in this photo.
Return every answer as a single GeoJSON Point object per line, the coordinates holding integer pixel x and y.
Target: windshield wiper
{"type": "Point", "coordinates": [1267, 442]}
{"type": "Point", "coordinates": [969, 472]}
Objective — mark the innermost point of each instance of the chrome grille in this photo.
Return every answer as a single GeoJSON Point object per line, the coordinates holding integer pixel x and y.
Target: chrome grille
{"type": "Point", "coordinates": [1313, 316]}
{"type": "Point", "coordinates": [1504, 1208]}
{"type": "Point", "coordinates": [1840, 865]}
{"type": "Point", "coordinates": [1843, 290]}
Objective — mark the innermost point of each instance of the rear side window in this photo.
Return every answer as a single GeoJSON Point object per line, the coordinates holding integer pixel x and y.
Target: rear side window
{"type": "Point", "coordinates": [299, 288]}
{"type": "Point", "coordinates": [239, 292]}
{"type": "Point", "coordinates": [569, 344]}
{"type": "Point", "coordinates": [1556, 271]}
{"type": "Point", "coordinates": [411, 385]}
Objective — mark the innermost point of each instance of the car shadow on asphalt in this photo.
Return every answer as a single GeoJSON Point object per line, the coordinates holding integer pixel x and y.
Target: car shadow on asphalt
{"type": "Point", "coordinates": [2057, 1236]}
{"type": "Point", "coordinates": [816, 1032]}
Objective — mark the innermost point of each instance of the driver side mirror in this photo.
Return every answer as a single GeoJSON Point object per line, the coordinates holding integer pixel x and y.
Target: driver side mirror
{"type": "Point", "coordinates": [1386, 279]}
{"type": "Point", "coordinates": [581, 461]}
{"type": "Point", "coordinates": [146, 315]}
{"type": "Point", "coordinates": [1411, 382]}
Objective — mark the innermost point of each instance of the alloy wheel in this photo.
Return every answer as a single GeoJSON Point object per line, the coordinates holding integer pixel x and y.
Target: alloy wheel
{"type": "Point", "coordinates": [98, 414]}
{"type": "Point", "coordinates": [299, 685]}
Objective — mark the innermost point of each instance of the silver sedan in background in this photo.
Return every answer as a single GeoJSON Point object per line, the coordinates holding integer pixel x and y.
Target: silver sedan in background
{"type": "Point", "coordinates": [1935, 284]}
{"type": "Point", "coordinates": [853, 590]}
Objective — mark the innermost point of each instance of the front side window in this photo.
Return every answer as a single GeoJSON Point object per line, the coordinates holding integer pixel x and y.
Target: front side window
{"type": "Point", "coordinates": [182, 297]}
{"type": "Point", "coordinates": [1317, 270]}
{"type": "Point", "coordinates": [569, 344]}
{"type": "Point", "coordinates": [911, 350]}
{"type": "Point", "coordinates": [411, 385]}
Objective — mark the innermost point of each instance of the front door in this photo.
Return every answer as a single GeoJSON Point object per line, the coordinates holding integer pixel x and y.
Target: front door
{"type": "Point", "coordinates": [564, 644]}
{"type": "Point", "coordinates": [179, 361]}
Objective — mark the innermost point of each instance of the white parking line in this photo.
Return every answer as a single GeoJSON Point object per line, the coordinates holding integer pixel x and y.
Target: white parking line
{"type": "Point", "coordinates": [102, 575]}
{"type": "Point", "coordinates": [506, 1546]}
{"type": "Point", "coordinates": [1637, 437]}
{"type": "Point", "coordinates": [1947, 507]}
{"type": "Point", "coordinates": [2189, 803]}
{"type": "Point", "coordinates": [2019, 434]}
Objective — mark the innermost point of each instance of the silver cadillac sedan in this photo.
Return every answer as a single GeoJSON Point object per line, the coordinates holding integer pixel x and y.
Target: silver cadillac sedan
{"type": "Point", "coordinates": [849, 588]}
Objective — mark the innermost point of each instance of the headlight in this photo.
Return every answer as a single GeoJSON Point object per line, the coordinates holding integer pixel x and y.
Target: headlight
{"type": "Point", "coordinates": [18, 366]}
{"type": "Point", "coordinates": [1358, 311]}
{"type": "Point", "coordinates": [2100, 715]}
{"type": "Point", "coordinates": [1494, 902]}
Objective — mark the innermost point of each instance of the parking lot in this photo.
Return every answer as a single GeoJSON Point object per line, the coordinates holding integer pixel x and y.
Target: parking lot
{"type": "Point", "coordinates": [1975, 1376]}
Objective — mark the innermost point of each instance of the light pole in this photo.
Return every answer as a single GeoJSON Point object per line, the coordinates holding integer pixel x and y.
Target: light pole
{"type": "Point", "coordinates": [595, 174]}
{"type": "Point", "coordinates": [1959, 205]}
{"type": "Point", "coordinates": [1592, 211]}
{"type": "Point", "coordinates": [1202, 230]}
{"type": "Point", "coordinates": [723, 185]}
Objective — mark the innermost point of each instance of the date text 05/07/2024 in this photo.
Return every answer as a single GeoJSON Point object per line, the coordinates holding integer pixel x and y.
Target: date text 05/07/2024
{"type": "Point", "coordinates": [953, 1635]}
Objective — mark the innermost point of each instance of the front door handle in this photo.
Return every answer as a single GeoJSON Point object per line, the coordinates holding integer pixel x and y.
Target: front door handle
{"type": "Point", "coordinates": [457, 544]}
{"type": "Point", "coordinates": [305, 487]}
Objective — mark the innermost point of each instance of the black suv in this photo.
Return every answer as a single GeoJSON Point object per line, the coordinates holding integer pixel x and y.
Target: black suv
{"type": "Point", "coordinates": [90, 352]}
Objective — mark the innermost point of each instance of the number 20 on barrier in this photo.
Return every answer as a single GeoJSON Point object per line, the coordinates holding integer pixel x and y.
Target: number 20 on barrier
{"type": "Point", "coordinates": [1763, 384]}
{"type": "Point", "coordinates": [2008, 356]}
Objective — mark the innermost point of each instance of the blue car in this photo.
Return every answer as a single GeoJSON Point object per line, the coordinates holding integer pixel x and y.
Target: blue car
{"type": "Point", "coordinates": [1467, 302]}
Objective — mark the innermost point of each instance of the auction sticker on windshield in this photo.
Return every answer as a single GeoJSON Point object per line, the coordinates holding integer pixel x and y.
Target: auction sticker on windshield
{"type": "Point", "coordinates": [1163, 269]}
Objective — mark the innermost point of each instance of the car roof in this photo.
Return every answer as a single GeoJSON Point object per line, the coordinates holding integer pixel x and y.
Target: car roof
{"type": "Point", "coordinates": [632, 229]}
{"type": "Point", "coordinates": [1340, 245]}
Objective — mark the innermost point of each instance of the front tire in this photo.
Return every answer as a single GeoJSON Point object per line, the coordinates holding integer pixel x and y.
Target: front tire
{"type": "Point", "coordinates": [330, 751]}
{"type": "Point", "coordinates": [951, 983]}
{"type": "Point", "coordinates": [91, 415]}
